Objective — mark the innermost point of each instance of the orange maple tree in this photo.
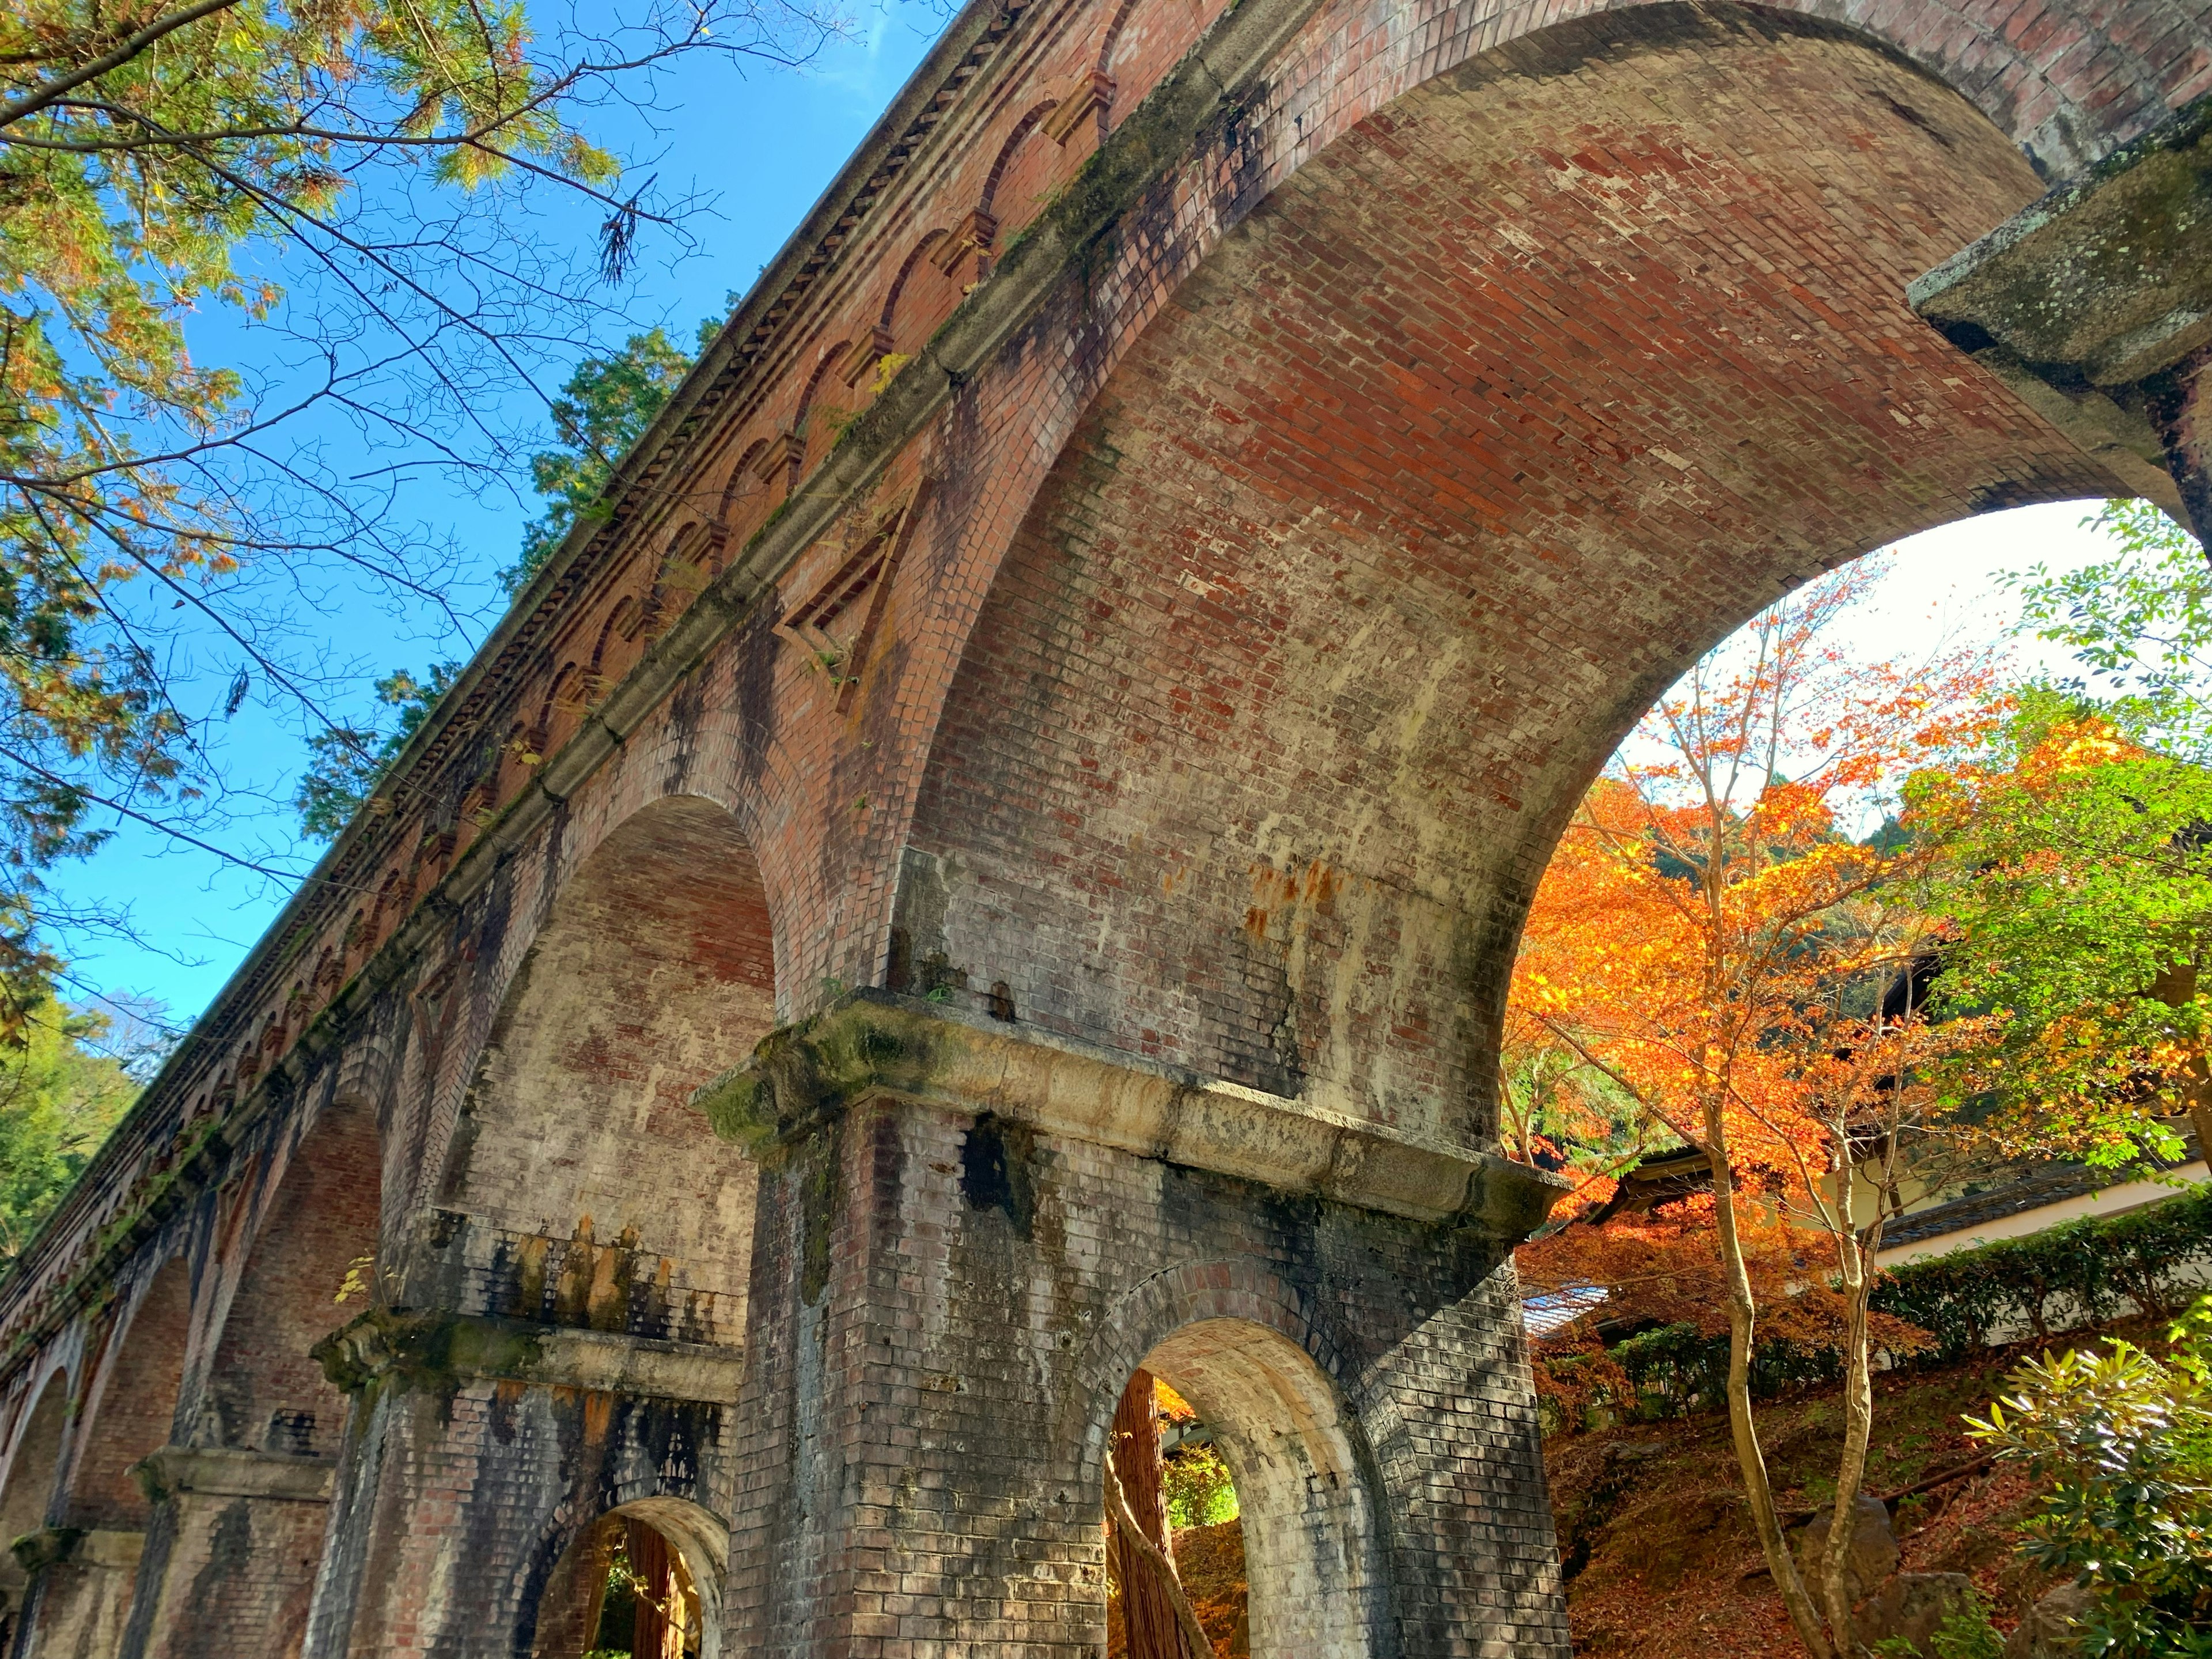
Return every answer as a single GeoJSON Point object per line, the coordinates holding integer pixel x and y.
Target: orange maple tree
{"type": "Point", "coordinates": [1717, 962]}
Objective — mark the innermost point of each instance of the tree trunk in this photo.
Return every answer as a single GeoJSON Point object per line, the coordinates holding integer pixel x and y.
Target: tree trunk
{"type": "Point", "coordinates": [1148, 1609]}
{"type": "Point", "coordinates": [2177, 989]}
{"type": "Point", "coordinates": [1858, 1424]}
{"type": "Point", "coordinates": [1742, 1315]}
{"type": "Point", "coordinates": [2200, 1104]}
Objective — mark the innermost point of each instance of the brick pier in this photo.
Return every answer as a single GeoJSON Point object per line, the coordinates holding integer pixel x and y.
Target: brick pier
{"type": "Point", "coordinates": [997, 863]}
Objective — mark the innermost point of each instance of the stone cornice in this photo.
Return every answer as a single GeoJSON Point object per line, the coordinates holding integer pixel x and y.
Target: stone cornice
{"type": "Point", "coordinates": [875, 1044]}
{"type": "Point", "coordinates": [235, 1472]}
{"type": "Point", "coordinates": [439, 1352]}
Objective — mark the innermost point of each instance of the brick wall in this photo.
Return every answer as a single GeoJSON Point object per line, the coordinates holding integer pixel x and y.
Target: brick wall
{"type": "Point", "coordinates": [1292, 504]}
{"type": "Point", "coordinates": [958, 1307]}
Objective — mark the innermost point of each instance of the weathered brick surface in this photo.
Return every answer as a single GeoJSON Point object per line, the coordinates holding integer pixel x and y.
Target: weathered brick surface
{"type": "Point", "coordinates": [1326, 425]}
{"type": "Point", "coordinates": [959, 1306]}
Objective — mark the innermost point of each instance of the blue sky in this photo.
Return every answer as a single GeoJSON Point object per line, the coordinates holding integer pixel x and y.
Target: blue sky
{"type": "Point", "coordinates": [763, 146]}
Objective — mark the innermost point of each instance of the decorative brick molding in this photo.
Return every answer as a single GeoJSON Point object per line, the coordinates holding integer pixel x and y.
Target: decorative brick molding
{"type": "Point", "coordinates": [1337, 422]}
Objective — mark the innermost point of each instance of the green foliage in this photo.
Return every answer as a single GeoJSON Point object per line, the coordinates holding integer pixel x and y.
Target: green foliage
{"type": "Point", "coordinates": [2146, 1260]}
{"type": "Point", "coordinates": [2140, 623]}
{"type": "Point", "coordinates": [1676, 1369]}
{"type": "Point", "coordinates": [2126, 1441]}
{"type": "Point", "coordinates": [1966, 1632]}
{"type": "Point", "coordinates": [141, 150]}
{"type": "Point", "coordinates": [2080, 890]}
{"type": "Point", "coordinates": [58, 1099]}
{"type": "Point", "coordinates": [1198, 1488]}
{"type": "Point", "coordinates": [604, 409]}
{"type": "Point", "coordinates": [2078, 1271]}
{"type": "Point", "coordinates": [347, 761]}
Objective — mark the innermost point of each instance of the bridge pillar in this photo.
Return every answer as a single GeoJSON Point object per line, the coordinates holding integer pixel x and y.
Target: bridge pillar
{"type": "Point", "coordinates": [2095, 304]}
{"type": "Point", "coordinates": [971, 1235]}
{"type": "Point", "coordinates": [83, 1586]}
{"type": "Point", "coordinates": [484, 1455]}
{"type": "Point", "coordinates": [229, 1558]}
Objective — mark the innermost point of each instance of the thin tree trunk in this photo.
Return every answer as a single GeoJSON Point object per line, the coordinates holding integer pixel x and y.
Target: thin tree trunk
{"type": "Point", "coordinates": [1742, 1318]}
{"type": "Point", "coordinates": [1858, 1428]}
{"type": "Point", "coordinates": [1149, 1592]}
{"type": "Point", "coordinates": [1158, 1569]}
{"type": "Point", "coordinates": [2200, 1104]}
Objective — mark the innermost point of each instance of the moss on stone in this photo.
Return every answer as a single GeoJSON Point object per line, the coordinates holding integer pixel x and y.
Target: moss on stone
{"type": "Point", "coordinates": [800, 1076]}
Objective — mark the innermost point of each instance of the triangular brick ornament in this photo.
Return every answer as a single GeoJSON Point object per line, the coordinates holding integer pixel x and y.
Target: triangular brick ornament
{"type": "Point", "coordinates": [839, 620]}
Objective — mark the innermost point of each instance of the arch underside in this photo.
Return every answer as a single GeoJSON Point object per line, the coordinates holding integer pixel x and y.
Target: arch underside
{"type": "Point", "coordinates": [1312, 1553]}
{"type": "Point", "coordinates": [1410, 500]}
{"type": "Point", "coordinates": [604, 1198]}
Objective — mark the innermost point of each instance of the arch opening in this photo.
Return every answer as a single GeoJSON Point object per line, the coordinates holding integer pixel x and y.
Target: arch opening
{"type": "Point", "coordinates": [1442, 464]}
{"type": "Point", "coordinates": [133, 1406]}
{"type": "Point", "coordinates": [644, 1580]}
{"type": "Point", "coordinates": [1255, 1493]}
{"type": "Point", "coordinates": [597, 1195]}
{"type": "Point", "coordinates": [34, 1463]}
{"type": "Point", "coordinates": [309, 1269]}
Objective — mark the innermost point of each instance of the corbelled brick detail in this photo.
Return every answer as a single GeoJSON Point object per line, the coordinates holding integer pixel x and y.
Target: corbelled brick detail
{"type": "Point", "coordinates": [1081, 679]}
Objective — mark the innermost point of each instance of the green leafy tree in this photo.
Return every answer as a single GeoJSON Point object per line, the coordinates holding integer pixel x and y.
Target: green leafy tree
{"type": "Point", "coordinates": [2126, 1441]}
{"type": "Point", "coordinates": [2139, 623]}
{"type": "Point", "coordinates": [350, 179]}
{"type": "Point", "coordinates": [2079, 889]}
{"type": "Point", "coordinates": [346, 763]}
{"type": "Point", "coordinates": [604, 409]}
{"type": "Point", "coordinates": [59, 1097]}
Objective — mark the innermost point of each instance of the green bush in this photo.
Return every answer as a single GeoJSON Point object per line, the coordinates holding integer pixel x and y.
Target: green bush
{"type": "Point", "coordinates": [2125, 1440]}
{"type": "Point", "coordinates": [2077, 1273]}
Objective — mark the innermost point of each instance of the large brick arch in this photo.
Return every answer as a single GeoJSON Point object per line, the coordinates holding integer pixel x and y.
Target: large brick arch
{"type": "Point", "coordinates": [312, 1229]}
{"type": "Point", "coordinates": [589, 1192]}
{"type": "Point", "coordinates": [131, 1406]}
{"type": "Point", "coordinates": [27, 1481]}
{"type": "Point", "coordinates": [1488, 418]}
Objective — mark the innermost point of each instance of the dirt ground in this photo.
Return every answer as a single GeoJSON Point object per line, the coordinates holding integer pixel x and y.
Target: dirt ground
{"type": "Point", "coordinates": [1656, 1537]}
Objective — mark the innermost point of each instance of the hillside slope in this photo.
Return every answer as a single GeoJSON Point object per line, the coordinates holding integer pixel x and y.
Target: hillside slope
{"type": "Point", "coordinates": [1655, 1536]}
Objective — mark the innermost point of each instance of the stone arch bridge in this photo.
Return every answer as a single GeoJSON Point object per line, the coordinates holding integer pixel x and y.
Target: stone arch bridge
{"type": "Point", "coordinates": [997, 863]}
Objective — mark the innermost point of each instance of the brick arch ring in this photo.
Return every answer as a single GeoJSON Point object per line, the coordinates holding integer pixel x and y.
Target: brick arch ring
{"type": "Point", "coordinates": [569, 1557]}
{"type": "Point", "coordinates": [1266, 1378]}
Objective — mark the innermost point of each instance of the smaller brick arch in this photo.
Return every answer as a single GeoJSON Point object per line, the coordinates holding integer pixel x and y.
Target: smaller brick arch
{"type": "Point", "coordinates": [891, 295]}
{"type": "Point", "coordinates": [566, 1616]}
{"type": "Point", "coordinates": [1243, 1348]}
{"type": "Point", "coordinates": [831, 355]}
{"type": "Point", "coordinates": [132, 1404]}
{"type": "Point", "coordinates": [27, 1491]}
{"type": "Point", "coordinates": [988, 203]}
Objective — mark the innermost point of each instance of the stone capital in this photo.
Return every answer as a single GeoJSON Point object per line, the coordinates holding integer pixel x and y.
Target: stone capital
{"type": "Point", "coordinates": [876, 1044]}
{"type": "Point", "coordinates": [440, 1350]}
{"type": "Point", "coordinates": [234, 1472]}
{"type": "Point", "coordinates": [2083, 299]}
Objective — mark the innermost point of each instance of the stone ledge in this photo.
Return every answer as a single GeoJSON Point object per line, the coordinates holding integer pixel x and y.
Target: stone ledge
{"type": "Point", "coordinates": [235, 1472]}
{"type": "Point", "coordinates": [2110, 276]}
{"type": "Point", "coordinates": [2084, 294]}
{"type": "Point", "coordinates": [873, 1044]}
{"type": "Point", "coordinates": [440, 1352]}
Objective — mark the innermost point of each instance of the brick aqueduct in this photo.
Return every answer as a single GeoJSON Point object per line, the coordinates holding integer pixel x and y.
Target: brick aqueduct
{"type": "Point", "coordinates": [997, 864]}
